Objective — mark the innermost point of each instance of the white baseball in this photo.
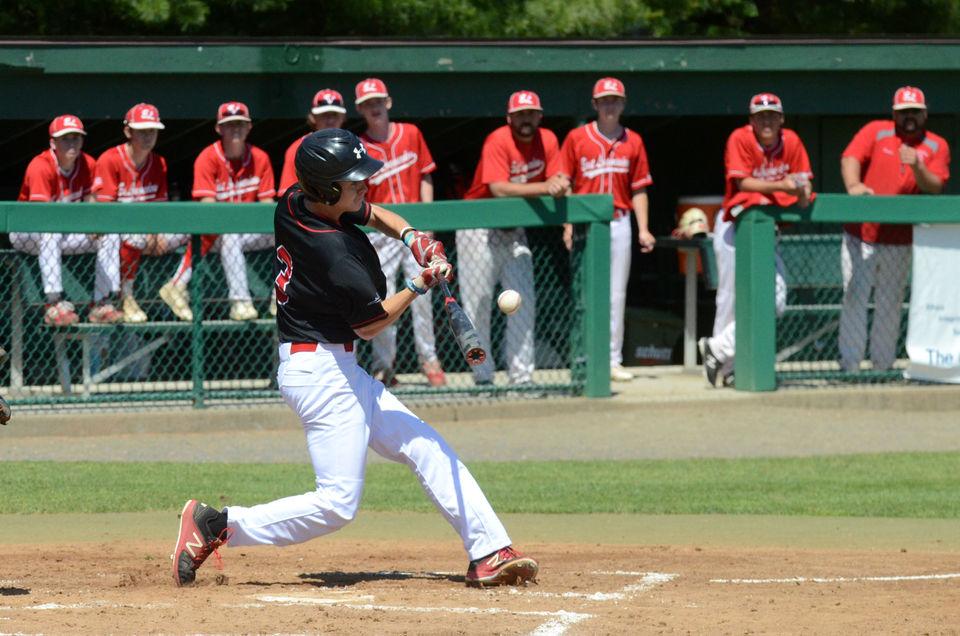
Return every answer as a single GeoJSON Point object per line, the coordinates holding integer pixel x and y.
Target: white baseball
{"type": "Point", "coordinates": [509, 301]}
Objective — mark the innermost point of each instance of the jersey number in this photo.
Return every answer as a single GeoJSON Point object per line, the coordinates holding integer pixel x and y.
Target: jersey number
{"type": "Point", "coordinates": [283, 278]}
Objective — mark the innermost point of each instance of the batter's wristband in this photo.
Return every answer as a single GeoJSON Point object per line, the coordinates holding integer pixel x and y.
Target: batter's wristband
{"type": "Point", "coordinates": [403, 235]}
{"type": "Point", "coordinates": [419, 291]}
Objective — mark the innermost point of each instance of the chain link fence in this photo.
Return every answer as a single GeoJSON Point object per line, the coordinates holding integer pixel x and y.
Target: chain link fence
{"type": "Point", "coordinates": [827, 335]}
{"type": "Point", "coordinates": [98, 320]}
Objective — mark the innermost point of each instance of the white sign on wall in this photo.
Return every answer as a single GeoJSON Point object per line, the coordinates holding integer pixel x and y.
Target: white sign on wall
{"type": "Point", "coordinates": [933, 335]}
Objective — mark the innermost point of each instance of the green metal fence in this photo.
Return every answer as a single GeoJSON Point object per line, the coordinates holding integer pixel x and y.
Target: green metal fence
{"type": "Point", "coordinates": [802, 345]}
{"type": "Point", "coordinates": [214, 357]}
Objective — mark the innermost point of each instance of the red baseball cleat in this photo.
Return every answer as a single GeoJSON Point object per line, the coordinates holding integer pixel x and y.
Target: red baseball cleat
{"type": "Point", "coordinates": [506, 566]}
{"type": "Point", "coordinates": [196, 540]}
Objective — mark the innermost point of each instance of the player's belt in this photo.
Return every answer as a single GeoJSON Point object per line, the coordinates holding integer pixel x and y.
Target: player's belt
{"type": "Point", "coordinates": [310, 347]}
{"type": "Point", "coordinates": [619, 213]}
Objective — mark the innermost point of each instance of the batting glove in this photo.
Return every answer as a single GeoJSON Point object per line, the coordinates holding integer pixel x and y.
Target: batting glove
{"type": "Point", "coordinates": [425, 248]}
{"type": "Point", "coordinates": [432, 275]}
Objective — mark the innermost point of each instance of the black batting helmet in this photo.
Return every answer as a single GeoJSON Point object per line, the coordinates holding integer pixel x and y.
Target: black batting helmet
{"type": "Point", "coordinates": [328, 156]}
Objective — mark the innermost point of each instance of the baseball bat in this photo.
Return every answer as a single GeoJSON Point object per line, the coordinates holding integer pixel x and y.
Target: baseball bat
{"type": "Point", "coordinates": [462, 327]}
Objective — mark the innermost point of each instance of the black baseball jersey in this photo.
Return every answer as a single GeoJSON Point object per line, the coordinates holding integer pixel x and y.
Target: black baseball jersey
{"type": "Point", "coordinates": [328, 276]}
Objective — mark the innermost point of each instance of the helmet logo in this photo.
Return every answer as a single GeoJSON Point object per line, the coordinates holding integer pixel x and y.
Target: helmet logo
{"type": "Point", "coordinates": [359, 151]}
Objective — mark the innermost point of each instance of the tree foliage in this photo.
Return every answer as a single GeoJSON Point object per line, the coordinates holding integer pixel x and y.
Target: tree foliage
{"type": "Point", "coordinates": [499, 19]}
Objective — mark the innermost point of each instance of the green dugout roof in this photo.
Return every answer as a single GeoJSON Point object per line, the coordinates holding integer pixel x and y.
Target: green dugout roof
{"type": "Point", "coordinates": [187, 79]}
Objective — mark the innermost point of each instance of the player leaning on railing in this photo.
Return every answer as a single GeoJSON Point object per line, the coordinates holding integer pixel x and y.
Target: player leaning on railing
{"type": "Point", "coordinates": [766, 164]}
{"type": "Point", "coordinates": [330, 290]}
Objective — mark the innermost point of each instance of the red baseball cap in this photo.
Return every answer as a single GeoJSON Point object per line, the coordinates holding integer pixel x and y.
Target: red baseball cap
{"type": "Point", "coordinates": [370, 88]}
{"type": "Point", "coordinates": [608, 86]}
{"type": "Point", "coordinates": [66, 124]}
{"type": "Point", "coordinates": [233, 111]}
{"type": "Point", "coordinates": [909, 97]}
{"type": "Point", "coordinates": [328, 101]}
{"type": "Point", "coordinates": [765, 101]}
{"type": "Point", "coordinates": [523, 100]}
{"type": "Point", "coordinates": [142, 117]}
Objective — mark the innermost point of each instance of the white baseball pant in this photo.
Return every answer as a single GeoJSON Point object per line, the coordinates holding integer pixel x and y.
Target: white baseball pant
{"type": "Point", "coordinates": [231, 248]}
{"type": "Point", "coordinates": [484, 258]}
{"type": "Point", "coordinates": [884, 269]}
{"type": "Point", "coordinates": [344, 411]}
{"type": "Point", "coordinates": [394, 255]}
{"type": "Point", "coordinates": [723, 343]}
{"type": "Point", "coordinates": [621, 251]}
{"type": "Point", "coordinates": [51, 247]}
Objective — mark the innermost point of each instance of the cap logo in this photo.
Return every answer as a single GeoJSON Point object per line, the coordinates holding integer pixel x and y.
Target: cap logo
{"type": "Point", "coordinates": [369, 87]}
{"type": "Point", "coordinates": [146, 113]}
{"type": "Point", "coordinates": [70, 122]}
{"type": "Point", "coordinates": [909, 96]}
{"type": "Point", "coordinates": [609, 85]}
{"type": "Point", "coordinates": [329, 98]}
{"type": "Point", "coordinates": [233, 109]}
{"type": "Point", "coordinates": [525, 98]}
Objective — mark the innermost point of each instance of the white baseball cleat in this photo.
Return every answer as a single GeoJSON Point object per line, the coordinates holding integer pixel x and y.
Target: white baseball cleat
{"type": "Point", "coordinates": [243, 310]}
{"type": "Point", "coordinates": [177, 298]}
{"type": "Point", "coordinates": [619, 374]}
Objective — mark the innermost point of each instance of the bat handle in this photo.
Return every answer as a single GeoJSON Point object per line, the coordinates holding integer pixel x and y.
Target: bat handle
{"type": "Point", "coordinates": [445, 288]}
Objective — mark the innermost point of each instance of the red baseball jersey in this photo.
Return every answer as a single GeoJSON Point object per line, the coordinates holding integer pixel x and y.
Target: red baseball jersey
{"type": "Point", "coordinates": [117, 179]}
{"type": "Point", "coordinates": [44, 181]}
{"type": "Point", "coordinates": [598, 165]}
{"type": "Point", "coordinates": [877, 147]}
{"type": "Point", "coordinates": [288, 175]}
{"type": "Point", "coordinates": [745, 157]}
{"type": "Point", "coordinates": [405, 158]}
{"type": "Point", "coordinates": [504, 158]}
{"type": "Point", "coordinates": [244, 180]}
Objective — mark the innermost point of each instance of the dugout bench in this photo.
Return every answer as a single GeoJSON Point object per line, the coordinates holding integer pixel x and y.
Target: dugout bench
{"type": "Point", "coordinates": [138, 342]}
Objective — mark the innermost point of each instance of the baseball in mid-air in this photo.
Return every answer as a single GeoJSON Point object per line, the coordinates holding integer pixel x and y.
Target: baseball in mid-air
{"type": "Point", "coordinates": [509, 301]}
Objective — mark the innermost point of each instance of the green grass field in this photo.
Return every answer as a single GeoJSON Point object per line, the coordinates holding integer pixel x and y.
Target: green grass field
{"type": "Point", "coordinates": [908, 485]}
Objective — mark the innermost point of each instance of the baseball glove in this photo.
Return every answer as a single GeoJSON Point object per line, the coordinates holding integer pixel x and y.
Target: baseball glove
{"type": "Point", "coordinates": [4, 411]}
{"type": "Point", "coordinates": [693, 224]}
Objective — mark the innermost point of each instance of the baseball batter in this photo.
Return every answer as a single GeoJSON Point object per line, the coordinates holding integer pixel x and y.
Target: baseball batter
{"type": "Point", "coordinates": [229, 170]}
{"type": "Point", "coordinates": [331, 290]}
{"type": "Point", "coordinates": [132, 172]}
{"type": "Point", "coordinates": [766, 164]}
{"type": "Point", "coordinates": [404, 178]}
{"type": "Point", "coordinates": [326, 111]}
{"type": "Point", "coordinates": [605, 157]}
{"type": "Point", "coordinates": [64, 173]}
{"type": "Point", "coordinates": [520, 159]}
{"type": "Point", "coordinates": [885, 157]}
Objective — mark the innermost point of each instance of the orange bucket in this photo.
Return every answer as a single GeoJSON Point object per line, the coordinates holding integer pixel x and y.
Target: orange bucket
{"type": "Point", "coordinates": [710, 205]}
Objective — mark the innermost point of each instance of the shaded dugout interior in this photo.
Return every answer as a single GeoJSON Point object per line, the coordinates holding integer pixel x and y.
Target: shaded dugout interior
{"type": "Point", "coordinates": [684, 98]}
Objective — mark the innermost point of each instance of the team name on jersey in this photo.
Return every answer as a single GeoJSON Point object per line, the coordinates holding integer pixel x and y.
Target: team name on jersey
{"type": "Point", "coordinates": [524, 172]}
{"type": "Point", "coordinates": [230, 189]}
{"type": "Point", "coordinates": [135, 192]}
{"type": "Point", "coordinates": [394, 166]}
{"type": "Point", "coordinates": [771, 173]}
{"type": "Point", "coordinates": [591, 168]}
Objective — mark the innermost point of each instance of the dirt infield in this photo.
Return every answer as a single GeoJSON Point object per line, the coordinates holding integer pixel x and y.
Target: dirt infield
{"type": "Point", "coordinates": [341, 587]}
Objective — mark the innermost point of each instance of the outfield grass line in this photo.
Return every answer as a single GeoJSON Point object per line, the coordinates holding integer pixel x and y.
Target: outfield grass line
{"type": "Point", "coordinates": [702, 531]}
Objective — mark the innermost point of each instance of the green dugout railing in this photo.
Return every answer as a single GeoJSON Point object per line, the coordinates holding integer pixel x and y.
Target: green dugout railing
{"type": "Point", "coordinates": [755, 269]}
{"type": "Point", "coordinates": [590, 265]}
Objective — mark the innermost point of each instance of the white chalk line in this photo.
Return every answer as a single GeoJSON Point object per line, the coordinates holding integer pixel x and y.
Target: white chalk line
{"type": "Point", "coordinates": [41, 607]}
{"type": "Point", "coordinates": [842, 579]}
{"type": "Point", "coordinates": [648, 581]}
